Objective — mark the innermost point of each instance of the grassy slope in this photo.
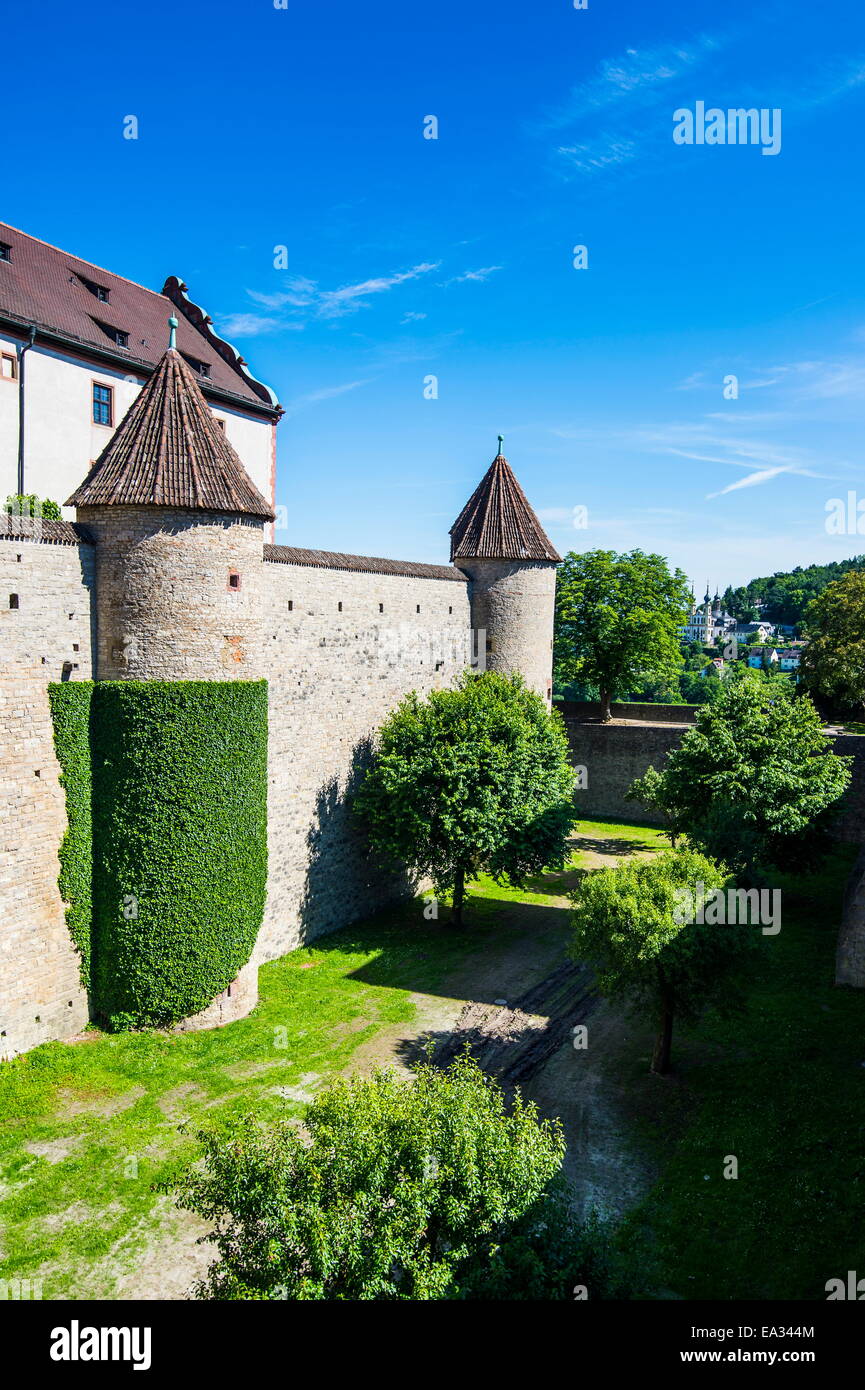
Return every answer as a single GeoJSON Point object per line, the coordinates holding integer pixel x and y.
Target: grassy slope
{"type": "Point", "coordinates": [107, 1109]}
{"type": "Point", "coordinates": [782, 1089]}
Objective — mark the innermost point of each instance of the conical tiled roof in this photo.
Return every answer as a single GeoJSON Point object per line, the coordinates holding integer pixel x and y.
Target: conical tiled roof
{"type": "Point", "coordinates": [497, 522]}
{"type": "Point", "coordinates": [168, 451]}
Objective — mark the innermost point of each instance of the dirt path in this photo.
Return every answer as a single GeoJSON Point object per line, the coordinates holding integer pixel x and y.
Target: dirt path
{"type": "Point", "coordinates": [516, 1005]}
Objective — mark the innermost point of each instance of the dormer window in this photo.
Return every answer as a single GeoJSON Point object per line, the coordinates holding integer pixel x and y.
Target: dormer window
{"type": "Point", "coordinates": [118, 336]}
{"type": "Point", "coordinates": [203, 368]}
{"type": "Point", "coordinates": [103, 294]}
{"type": "Point", "coordinates": [5, 251]}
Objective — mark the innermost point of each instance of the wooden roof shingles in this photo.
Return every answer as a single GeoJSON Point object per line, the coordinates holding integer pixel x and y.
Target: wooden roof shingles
{"type": "Point", "coordinates": [498, 522]}
{"type": "Point", "coordinates": [168, 451]}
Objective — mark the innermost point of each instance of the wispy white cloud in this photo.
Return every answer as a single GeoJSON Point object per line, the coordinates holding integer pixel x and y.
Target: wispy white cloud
{"type": "Point", "coordinates": [248, 325]}
{"type": "Point", "coordinates": [762, 475]}
{"type": "Point", "coordinates": [634, 76]}
{"type": "Point", "coordinates": [412, 317]}
{"type": "Point", "coordinates": [302, 300]}
{"type": "Point", "coordinates": [482, 274]}
{"type": "Point", "coordinates": [349, 298]}
{"type": "Point", "coordinates": [326, 393]}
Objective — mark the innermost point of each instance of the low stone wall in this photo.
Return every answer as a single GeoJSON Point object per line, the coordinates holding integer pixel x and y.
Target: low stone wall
{"type": "Point", "coordinates": [649, 714]}
{"type": "Point", "coordinates": [614, 755]}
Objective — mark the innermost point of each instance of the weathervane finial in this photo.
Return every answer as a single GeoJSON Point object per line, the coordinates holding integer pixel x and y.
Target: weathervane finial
{"type": "Point", "coordinates": [172, 336]}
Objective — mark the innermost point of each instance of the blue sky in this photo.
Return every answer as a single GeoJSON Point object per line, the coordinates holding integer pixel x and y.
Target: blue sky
{"type": "Point", "coordinates": [407, 257]}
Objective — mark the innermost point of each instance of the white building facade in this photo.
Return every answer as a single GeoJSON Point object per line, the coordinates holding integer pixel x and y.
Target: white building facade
{"type": "Point", "coordinates": [77, 343]}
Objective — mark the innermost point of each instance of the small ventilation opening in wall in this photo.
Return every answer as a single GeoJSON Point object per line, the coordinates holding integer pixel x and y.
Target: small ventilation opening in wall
{"type": "Point", "coordinates": [233, 579]}
{"type": "Point", "coordinates": [13, 600]}
{"type": "Point", "coordinates": [418, 608]}
{"type": "Point", "coordinates": [339, 607]}
{"type": "Point", "coordinates": [19, 558]}
{"type": "Point", "coordinates": [75, 646]}
{"type": "Point", "coordinates": [290, 605]}
{"type": "Point", "coordinates": [450, 610]}
{"type": "Point", "coordinates": [381, 608]}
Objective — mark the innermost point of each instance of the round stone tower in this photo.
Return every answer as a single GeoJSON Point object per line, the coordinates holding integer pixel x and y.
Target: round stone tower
{"type": "Point", "coordinates": [499, 543]}
{"type": "Point", "coordinates": [179, 532]}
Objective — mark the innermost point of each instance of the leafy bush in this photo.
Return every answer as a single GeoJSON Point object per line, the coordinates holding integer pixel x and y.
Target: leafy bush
{"type": "Point", "coordinates": [471, 779]}
{"type": "Point", "coordinates": [180, 843]}
{"type": "Point", "coordinates": [401, 1190]}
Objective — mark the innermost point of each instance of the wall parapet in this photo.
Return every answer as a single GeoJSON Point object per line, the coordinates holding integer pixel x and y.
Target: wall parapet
{"type": "Point", "coordinates": [14, 527]}
{"type": "Point", "coordinates": [363, 564]}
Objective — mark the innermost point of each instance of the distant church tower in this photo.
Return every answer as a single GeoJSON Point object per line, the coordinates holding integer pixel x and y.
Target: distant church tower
{"type": "Point", "coordinates": [499, 543]}
{"type": "Point", "coordinates": [179, 531]}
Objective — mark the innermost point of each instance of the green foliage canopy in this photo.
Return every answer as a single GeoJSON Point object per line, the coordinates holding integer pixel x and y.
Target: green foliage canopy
{"type": "Point", "coordinates": [472, 779]}
{"type": "Point", "coordinates": [401, 1190]}
{"type": "Point", "coordinates": [618, 620]}
{"type": "Point", "coordinates": [833, 662]}
{"type": "Point", "coordinates": [628, 924]}
{"type": "Point", "coordinates": [753, 781]}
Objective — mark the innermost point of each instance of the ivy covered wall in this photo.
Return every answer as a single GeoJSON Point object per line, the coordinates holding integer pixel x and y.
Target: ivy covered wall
{"type": "Point", "coordinates": [178, 840]}
{"type": "Point", "coordinates": [70, 712]}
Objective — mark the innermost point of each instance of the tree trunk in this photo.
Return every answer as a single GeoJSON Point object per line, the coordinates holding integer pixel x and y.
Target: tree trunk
{"type": "Point", "coordinates": [606, 716]}
{"type": "Point", "coordinates": [459, 895]}
{"type": "Point", "coordinates": [664, 1040]}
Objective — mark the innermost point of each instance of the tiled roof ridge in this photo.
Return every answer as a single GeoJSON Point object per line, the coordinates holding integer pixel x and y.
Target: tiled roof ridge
{"type": "Point", "coordinates": [367, 564]}
{"type": "Point", "coordinates": [168, 451]}
{"type": "Point", "coordinates": [498, 522]}
{"type": "Point", "coordinates": [14, 527]}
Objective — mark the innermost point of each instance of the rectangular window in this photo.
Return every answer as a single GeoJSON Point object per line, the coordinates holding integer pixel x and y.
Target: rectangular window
{"type": "Point", "coordinates": [102, 404]}
{"type": "Point", "coordinates": [102, 294]}
{"type": "Point", "coordinates": [5, 251]}
{"type": "Point", "coordinates": [8, 367]}
{"type": "Point", "coordinates": [121, 338]}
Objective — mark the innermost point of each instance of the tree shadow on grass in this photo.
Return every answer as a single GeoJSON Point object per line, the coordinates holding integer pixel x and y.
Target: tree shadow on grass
{"type": "Point", "coordinates": [503, 949]}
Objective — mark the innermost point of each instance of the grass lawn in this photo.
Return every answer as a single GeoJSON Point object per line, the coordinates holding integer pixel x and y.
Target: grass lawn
{"type": "Point", "coordinates": [88, 1128]}
{"type": "Point", "coordinates": [783, 1090]}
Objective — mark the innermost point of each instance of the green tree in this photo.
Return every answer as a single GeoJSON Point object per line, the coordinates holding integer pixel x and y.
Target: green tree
{"type": "Point", "coordinates": [753, 781]}
{"type": "Point", "coordinates": [400, 1189]}
{"type": "Point", "coordinates": [651, 791]}
{"type": "Point", "coordinates": [472, 779]}
{"type": "Point", "coordinates": [636, 925]}
{"type": "Point", "coordinates": [618, 621]}
{"type": "Point", "coordinates": [28, 504]}
{"type": "Point", "coordinates": [833, 662]}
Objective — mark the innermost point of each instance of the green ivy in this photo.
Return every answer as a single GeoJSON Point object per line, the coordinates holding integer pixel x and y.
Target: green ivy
{"type": "Point", "coordinates": [180, 843]}
{"type": "Point", "coordinates": [70, 711]}
{"type": "Point", "coordinates": [164, 863]}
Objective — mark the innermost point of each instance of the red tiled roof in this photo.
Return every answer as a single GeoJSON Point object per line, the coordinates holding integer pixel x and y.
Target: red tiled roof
{"type": "Point", "coordinates": [498, 523]}
{"type": "Point", "coordinates": [168, 451]}
{"type": "Point", "coordinates": [368, 564]}
{"type": "Point", "coordinates": [44, 286]}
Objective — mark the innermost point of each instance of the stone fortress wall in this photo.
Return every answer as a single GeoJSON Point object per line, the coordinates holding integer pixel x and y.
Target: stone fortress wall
{"type": "Point", "coordinates": [47, 633]}
{"type": "Point", "coordinates": [338, 646]}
